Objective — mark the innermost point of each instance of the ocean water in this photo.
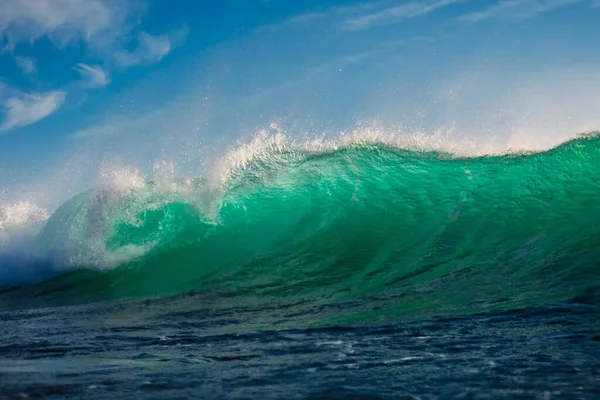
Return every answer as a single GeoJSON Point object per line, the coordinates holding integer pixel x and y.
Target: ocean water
{"type": "Point", "coordinates": [357, 270]}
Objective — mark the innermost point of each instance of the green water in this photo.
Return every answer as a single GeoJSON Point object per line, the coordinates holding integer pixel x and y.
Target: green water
{"type": "Point", "coordinates": [413, 231]}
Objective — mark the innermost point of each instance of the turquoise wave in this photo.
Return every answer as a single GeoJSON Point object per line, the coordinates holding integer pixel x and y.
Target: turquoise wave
{"type": "Point", "coordinates": [411, 231]}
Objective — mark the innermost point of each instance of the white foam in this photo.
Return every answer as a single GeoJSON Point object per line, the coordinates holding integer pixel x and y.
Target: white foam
{"type": "Point", "coordinates": [20, 215]}
{"type": "Point", "coordinates": [119, 179]}
{"type": "Point", "coordinates": [19, 222]}
{"type": "Point", "coordinates": [20, 260]}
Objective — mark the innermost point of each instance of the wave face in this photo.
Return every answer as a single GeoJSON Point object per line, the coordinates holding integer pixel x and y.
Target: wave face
{"type": "Point", "coordinates": [414, 231]}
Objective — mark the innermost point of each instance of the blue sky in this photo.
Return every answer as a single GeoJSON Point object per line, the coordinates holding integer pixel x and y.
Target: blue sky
{"type": "Point", "coordinates": [86, 81]}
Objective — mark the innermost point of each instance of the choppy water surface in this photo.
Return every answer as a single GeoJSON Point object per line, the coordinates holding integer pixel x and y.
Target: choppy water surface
{"type": "Point", "coordinates": [175, 349]}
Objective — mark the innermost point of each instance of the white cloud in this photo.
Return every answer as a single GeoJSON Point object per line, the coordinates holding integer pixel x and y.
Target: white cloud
{"type": "Point", "coordinates": [376, 13]}
{"type": "Point", "coordinates": [104, 26]}
{"type": "Point", "coordinates": [25, 109]}
{"type": "Point", "coordinates": [315, 16]}
{"type": "Point", "coordinates": [296, 20]}
{"type": "Point", "coordinates": [94, 75]}
{"type": "Point", "coordinates": [106, 129]}
{"type": "Point", "coordinates": [98, 23]}
{"type": "Point", "coordinates": [395, 14]}
{"type": "Point", "coordinates": [150, 49]}
{"type": "Point", "coordinates": [517, 9]}
{"type": "Point", "coordinates": [26, 64]}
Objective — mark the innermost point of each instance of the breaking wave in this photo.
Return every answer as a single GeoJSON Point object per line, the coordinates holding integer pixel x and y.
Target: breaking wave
{"type": "Point", "coordinates": [335, 221]}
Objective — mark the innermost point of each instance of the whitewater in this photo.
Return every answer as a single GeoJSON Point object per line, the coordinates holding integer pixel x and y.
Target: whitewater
{"type": "Point", "coordinates": [366, 255]}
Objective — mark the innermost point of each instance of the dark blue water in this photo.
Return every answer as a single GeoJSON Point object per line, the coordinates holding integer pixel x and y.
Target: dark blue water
{"type": "Point", "coordinates": [186, 347]}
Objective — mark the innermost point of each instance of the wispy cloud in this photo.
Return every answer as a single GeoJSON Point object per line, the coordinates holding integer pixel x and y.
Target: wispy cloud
{"type": "Point", "coordinates": [98, 23]}
{"type": "Point", "coordinates": [25, 109]}
{"type": "Point", "coordinates": [518, 9]}
{"type": "Point", "coordinates": [102, 28]}
{"type": "Point", "coordinates": [115, 125]}
{"type": "Point", "coordinates": [26, 64]}
{"type": "Point", "coordinates": [150, 49]}
{"type": "Point", "coordinates": [365, 15]}
{"type": "Point", "coordinates": [98, 131]}
{"type": "Point", "coordinates": [94, 76]}
{"type": "Point", "coordinates": [394, 14]}
{"type": "Point", "coordinates": [294, 21]}
{"type": "Point", "coordinates": [106, 27]}
{"type": "Point", "coordinates": [322, 14]}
